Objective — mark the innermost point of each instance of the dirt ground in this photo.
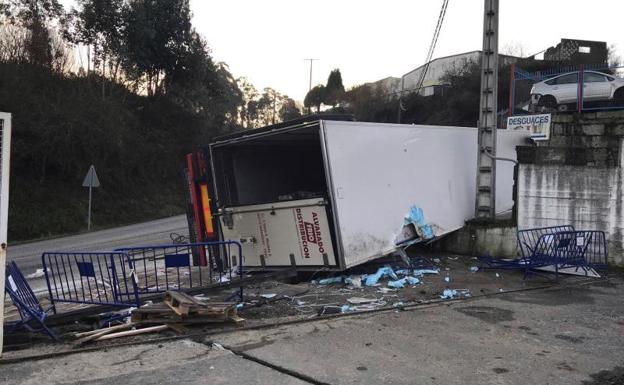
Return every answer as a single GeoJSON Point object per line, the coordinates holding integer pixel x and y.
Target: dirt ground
{"type": "Point", "coordinates": [306, 297]}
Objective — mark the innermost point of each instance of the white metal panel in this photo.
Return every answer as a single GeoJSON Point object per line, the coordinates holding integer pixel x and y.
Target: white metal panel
{"type": "Point", "coordinates": [275, 231]}
{"type": "Point", "coordinates": [5, 148]}
{"type": "Point", "coordinates": [380, 170]}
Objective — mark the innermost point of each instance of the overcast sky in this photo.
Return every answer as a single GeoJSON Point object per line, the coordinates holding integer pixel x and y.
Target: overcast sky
{"type": "Point", "coordinates": [268, 40]}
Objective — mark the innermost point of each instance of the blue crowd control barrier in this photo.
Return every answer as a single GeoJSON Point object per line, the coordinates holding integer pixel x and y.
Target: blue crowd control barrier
{"type": "Point", "coordinates": [181, 266]}
{"type": "Point", "coordinates": [31, 313]}
{"type": "Point", "coordinates": [97, 278]}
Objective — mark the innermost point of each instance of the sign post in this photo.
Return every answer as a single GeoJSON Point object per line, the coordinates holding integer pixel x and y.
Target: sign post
{"type": "Point", "coordinates": [91, 180]}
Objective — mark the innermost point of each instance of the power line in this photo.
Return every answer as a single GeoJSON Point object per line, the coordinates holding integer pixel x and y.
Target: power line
{"type": "Point", "coordinates": [434, 41]}
{"type": "Point", "coordinates": [432, 46]}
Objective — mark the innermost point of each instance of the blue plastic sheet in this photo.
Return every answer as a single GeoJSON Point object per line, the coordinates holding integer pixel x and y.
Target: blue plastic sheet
{"type": "Point", "coordinates": [346, 309]}
{"type": "Point", "coordinates": [400, 283]}
{"type": "Point", "coordinates": [373, 279]}
{"type": "Point", "coordinates": [417, 217]}
{"type": "Point", "coordinates": [329, 281]}
{"type": "Point", "coordinates": [421, 272]}
{"type": "Point", "coordinates": [453, 293]}
{"type": "Point", "coordinates": [412, 280]}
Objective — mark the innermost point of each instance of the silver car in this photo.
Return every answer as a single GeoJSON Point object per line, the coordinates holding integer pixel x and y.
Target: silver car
{"type": "Point", "coordinates": [563, 89]}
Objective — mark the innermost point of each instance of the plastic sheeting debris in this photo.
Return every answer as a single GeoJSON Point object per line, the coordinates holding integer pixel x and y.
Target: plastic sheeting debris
{"type": "Point", "coordinates": [37, 274]}
{"type": "Point", "coordinates": [474, 269]}
{"type": "Point", "coordinates": [354, 280]}
{"type": "Point", "coordinates": [329, 281]}
{"type": "Point", "coordinates": [447, 279]}
{"type": "Point", "coordinates": [421, 272]}
{"type": "Point", "coordinates": [455, 293]}
{"type": "Point", "coordinates": [268, 295]}
{"type": "Point", "coordinates": [400, 283]}
{"type": "Point", "coordinates": [373, 279]}
{"type": "Point", "coordinates": [360, 300]}
{"type": "Point", "coordinates": [417, 218]}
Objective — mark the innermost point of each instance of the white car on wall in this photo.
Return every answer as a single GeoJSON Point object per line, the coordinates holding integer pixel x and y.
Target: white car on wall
{"type": "Point", "coordinates": [563, 89]}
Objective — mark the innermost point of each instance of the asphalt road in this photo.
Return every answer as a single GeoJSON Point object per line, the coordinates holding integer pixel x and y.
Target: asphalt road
{"type": "Point", "coordinates": [569, 335]}
{"type": "Point", "coordinates": [28, 255]}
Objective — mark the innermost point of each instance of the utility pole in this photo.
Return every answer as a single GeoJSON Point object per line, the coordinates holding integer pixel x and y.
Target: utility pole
{"type": "Point", "coordinates": [310, 83]}
{"type": "Point", "coordinates": [485, 207]}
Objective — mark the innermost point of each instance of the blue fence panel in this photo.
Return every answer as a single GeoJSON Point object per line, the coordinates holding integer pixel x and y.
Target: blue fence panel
{"type": "Point", "coordinates": [582, 249]}
{"type": "Point", "coordinates": [529, 239]}
{"type": "Point", "coordinates": [98, 278]}
{"type": "Point", "coordinates": [180, 266]}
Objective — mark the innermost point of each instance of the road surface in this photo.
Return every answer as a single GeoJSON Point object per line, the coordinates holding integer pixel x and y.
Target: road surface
{"type": "Point", "coordinates": [569, 335]}
{"type": "Point", "coordinates": [28, 255]}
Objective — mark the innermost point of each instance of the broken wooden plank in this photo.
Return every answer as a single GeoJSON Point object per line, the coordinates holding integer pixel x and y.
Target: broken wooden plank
{"type": "Point", "coordinates": [96, 331]}
{"type": "Point", "coordinates": [128, 333]}
{"type": "Point", "coordinates": [101, 332]}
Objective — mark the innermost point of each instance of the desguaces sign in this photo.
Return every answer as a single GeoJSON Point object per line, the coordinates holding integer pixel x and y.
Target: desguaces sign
{"type": "Point", "coordinates": [537, 125]}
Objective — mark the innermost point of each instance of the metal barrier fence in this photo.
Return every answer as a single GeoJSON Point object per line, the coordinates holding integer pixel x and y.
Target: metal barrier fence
{"type": "Point", "coordinates": [98, 278]}
{"type": "Point", "coordinates": [585, 248]}
{"type": "Point", "coordinates": [160, 268]}
{"type": "Point", "coordinates": [587, 89]}
{"type": "Point", "coordinates": [528, 239]}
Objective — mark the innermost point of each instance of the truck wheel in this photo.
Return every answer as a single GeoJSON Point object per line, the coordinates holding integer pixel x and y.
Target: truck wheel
{"type": "Point", "coordinates": [547, 101]}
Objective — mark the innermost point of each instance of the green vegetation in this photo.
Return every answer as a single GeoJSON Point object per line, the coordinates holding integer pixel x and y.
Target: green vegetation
{"type": "Point", "coordinates": [143, 92]}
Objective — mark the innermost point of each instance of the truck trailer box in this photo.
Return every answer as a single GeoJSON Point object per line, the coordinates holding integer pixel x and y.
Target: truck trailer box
{"type": "Point", "coordinates": [335, 194]}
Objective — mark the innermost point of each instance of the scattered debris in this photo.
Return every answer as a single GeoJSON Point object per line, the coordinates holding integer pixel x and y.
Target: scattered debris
{"type": "Point", "coordinates": [453, 293]}
{"type": "Point", "coordinates": [181, 308]}
{"type": "Point", "coordinates": [360, 300]}
{"type": "Point", "coordinates": [373, 279]}
{"type": "Point", "coordinates": [329, 281]}
{"type": "Point", "coordinates": [447, 279]}
{"type": "Point", "coordinates": [421, 272]}
{"type": "Point", "coordinates": [37, 274]}
{"type": "Point", "coordinates": [474, 269]}
{"type": "Point", "coordinates": [400, 283]}
{"type": "Point", "coordinates": [268, 295]}
{"type": "Point", "coordinates": [355, 281]}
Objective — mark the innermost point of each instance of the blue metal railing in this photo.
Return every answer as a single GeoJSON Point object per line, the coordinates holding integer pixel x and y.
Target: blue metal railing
{"type": "Point", "coordinates": [97, 278]}
{"type": "Point", "coordinates": [160, 268]}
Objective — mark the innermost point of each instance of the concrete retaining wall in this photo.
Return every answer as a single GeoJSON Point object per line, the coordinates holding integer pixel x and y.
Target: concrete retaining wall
{"type": "Point", "coordinates": [498, 239]}
{"type": "Point", "coordinates": [576, 177]}
{"type": "Point", "coordinates": [589, 198]}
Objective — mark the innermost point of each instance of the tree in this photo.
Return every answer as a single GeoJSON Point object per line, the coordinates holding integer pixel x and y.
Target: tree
{"type": "Point", "coordinates": [99, 25]}
{"type": "Point", "coordinates": [35, 15]}
{"type": "Point", "coordinates": [157, 34]}
{"type": "Point", "coordinates": [289, 110]}
{"type": "Point", "coordinates": [334, 90]}
{"type": "Point", "coordinates": [315, 97]}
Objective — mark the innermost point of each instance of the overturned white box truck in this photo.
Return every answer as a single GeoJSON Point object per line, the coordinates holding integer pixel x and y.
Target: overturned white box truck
{"type": "Point", "coordinates": [335, 193]}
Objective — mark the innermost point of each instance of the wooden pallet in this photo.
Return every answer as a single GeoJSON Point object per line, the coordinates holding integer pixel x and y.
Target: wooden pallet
{"type": "Point", "coordinates": [184, 309]}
